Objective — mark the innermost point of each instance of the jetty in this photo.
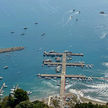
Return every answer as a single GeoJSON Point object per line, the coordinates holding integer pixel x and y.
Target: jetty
{"type": "Point", "coordinates": [4, 50]}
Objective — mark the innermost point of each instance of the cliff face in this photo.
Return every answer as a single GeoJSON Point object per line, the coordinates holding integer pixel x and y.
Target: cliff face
{"type": "Point", "coordinates": [4, 50]}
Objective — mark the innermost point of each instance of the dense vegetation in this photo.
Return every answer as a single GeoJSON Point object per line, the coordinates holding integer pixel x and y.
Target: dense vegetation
{"type": "Point", "coordinates": [89, 105]}
{"type": "Point", "coordinates": [20, 99]}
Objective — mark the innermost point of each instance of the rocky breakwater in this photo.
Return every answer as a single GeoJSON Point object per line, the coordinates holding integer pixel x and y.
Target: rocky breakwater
{"type": "Point", "coordinates": [4, 50]}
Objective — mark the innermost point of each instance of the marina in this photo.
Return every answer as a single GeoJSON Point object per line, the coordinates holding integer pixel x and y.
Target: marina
{"type": "Point", "coordinates": [71, 31]}
{"type": "Point", "coordinates": [63, 74]}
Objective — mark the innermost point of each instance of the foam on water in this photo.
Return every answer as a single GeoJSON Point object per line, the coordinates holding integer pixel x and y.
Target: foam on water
{"type": "Point", "coordinates": [105, 15]}
{"type": "Point", "coordinates": [95, 99]}
{"type": "Point", "coordinates": [49, 84]}
{"type": "Point", "coordinates": [77, 92]}
{"type": "Point", "coordinates": [105, 64]}
{"type": "Point", "coordinates": [68, 86]}
{"type": "Point", "coordinates": [81, 93]}
{"type": "Point", "coordinates": [104, 35]}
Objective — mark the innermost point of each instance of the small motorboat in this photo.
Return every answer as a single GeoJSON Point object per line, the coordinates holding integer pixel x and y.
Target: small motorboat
{"type": "Point", "coordinates": [4, 85]}
{"type": "Point", "coordinates": [42, 34]}
{"type": "Point", "coordinates": [102, 12]}
{"type": "Point", "coordinates": [69, 58]}
{"type": "Point", "coordinates": [76, 19]}
{"type": "Point", "coordinates": [58, 83]}
{"type": "Point", "coordinates": [67, 82]}
{"type": "Point", "coordinates": [29, 92]}
{"type": "Point", "coordinates": [58, 59]}
{"type": "Point", "coordinates": [52, 51]}
{"type": "Point", "coordinates": [35, 23]}
{"type": "Point", "coordinates": [90, 78]}
{"type": "Point", "coordinates": [12, 32]}
{"type": "Point", "coordinates": [47, 60]}
{"type": "Point", "coordinates": [25, 28]}
{"type": "Point", "coordinates": [73, 10]}
{"type": "Point", "coordinates": [58, 68]}
{"type": "Point", "coordinates": [1, 78]}
{"type": "Point", "coordinates": [55, 77]}
{"type": "Point", "coordinates": [22, 34]}
{"type": "Point", "coordinates": [5, 67]}
{"type": "Point", "coordinates": [13, 89]}
{"type": "Point", "coordinates": [1, 94]}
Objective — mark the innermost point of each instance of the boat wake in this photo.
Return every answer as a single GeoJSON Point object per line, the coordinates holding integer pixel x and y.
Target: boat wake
{"type": "Point", "coordinates": [105, 15]}
{"type": "Point", "coordinates": [104, 35]}
{"type": "Point", "coordinates": [105, 64]}
{"type": "Point", "coordinates": [76, 92]}
{"type": "Point", "coordinates": [81, 94]}
{"type": "Point", "coordinates": [49, 84]}
{"type": "Point", "coordinates": [100, 91]}
{"type": "Point", "coordinates": [70, 15]}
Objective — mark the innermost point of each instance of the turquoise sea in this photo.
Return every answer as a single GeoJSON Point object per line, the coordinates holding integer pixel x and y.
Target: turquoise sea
{"type": "Point", "coordinates": [85, 32]}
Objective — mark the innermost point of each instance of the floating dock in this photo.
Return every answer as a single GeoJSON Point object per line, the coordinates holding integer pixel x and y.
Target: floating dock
{"type": "Point", "coordinates": [59, 76]}
{"type": "Point", "coordinates": [4, 50]}
{"type": "Point", "coordinates": [80, 64]}
{"type": "Point", "coordinates": [61, 54]}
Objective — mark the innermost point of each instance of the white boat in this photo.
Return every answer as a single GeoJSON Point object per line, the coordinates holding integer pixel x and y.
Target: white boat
{"type": "Point", "coordinates": [52, 51]}
{"type": "Point", "coordinates": [1, 78]}
{"type": "Point", "coordinates": [4, 85]}
{"type": "Point", "coordinates": [11, 92]}
{"type": "Point", "coordinates": [58, 83]}
{"type": "Point", "coordinates": [58, 59]}
{"type": "Point", "coordinates": [13, 89]}
{"type": "Point", "coordinates": [29, 92]}
{"type": "Point", "coordinates": [69, 58]}
{"type": "Point", "coordinates": [90, 78]}
{"type": "Point", "coordinates": [58, 68]}
{"type": "Point", "coordinates": [25, 28]}
{"type": "Point", "coordinates": [48, 60]}
{"type": "Point", "coordinates": [55, 77]}
{"type": "Point", "coordinates": [1, 94]}
{"type": "Point", "coordinates": [67, 82]}
{"type": "Point", "coordinates": [5, 67]}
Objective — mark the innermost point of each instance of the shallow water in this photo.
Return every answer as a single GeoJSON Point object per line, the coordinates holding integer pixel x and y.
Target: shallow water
{"type": "Point", "coordinates": [88, 35]}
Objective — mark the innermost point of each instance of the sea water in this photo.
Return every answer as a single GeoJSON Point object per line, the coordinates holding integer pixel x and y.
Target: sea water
{"type": "Point", "coordinates": [80, 32]}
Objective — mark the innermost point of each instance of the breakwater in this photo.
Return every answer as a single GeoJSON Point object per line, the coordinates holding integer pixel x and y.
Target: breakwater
{"type": "Point", "coordinates": [4, 50]}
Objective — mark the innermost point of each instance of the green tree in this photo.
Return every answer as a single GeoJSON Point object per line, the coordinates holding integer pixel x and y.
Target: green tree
{"type": "Point", "coordinates": [25, 104]}
{"type": "Point", "coordinates": [11, 101]}
{"type": "Point", "coordinates": [20, 95]}
{"type": "Point", "coordinates": [4, 103]}
{"type": "Point", "coordinates": [39, 104]}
